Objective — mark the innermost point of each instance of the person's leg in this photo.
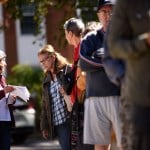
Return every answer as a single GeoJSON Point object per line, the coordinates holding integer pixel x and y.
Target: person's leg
{"type": "Point", "coordinates": [141, 124]}
{"type": "Point", "coordinates": [4, 137]}
{"type": "Point", "coordinates": [102, 147]}
{"type": "Point", "coordinates": [81, 145]}
{"type": "Point", "coordinates": [127, 129]}
{"type": "Point", "coordinates": [114, 113]}
{"type": "Point", "coordinates": [63, 133]}
{"type": "Point", "coordinates": [97, 126]}
{"type": "Point", "coordinates": [145, 145]}
{"type": "Point", "coordinates": [110, 106]}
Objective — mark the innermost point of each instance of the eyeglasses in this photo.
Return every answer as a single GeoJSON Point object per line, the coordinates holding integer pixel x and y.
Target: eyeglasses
{"type": "Point", "coordinates": [105, 12]}
{"type": "Point", "coordinates": [45, 59]}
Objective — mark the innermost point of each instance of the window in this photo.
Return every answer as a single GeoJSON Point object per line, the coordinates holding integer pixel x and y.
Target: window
{"type": "Point", "coordinates": [86, 10]}
{"type": "Point", "coordinates": [27, 23]}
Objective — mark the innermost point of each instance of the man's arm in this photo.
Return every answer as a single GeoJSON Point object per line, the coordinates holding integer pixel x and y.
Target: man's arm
{"type": "Point", "coordinates": [87, 60]}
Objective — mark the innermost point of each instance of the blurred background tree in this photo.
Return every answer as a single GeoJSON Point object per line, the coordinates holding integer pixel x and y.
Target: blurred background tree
{"type": "Point", "coordinates": [85, 9]}
{"type": "Point", "coordinates": [31, 77]}
{"type": "Point", "coordinates": [3, 1]}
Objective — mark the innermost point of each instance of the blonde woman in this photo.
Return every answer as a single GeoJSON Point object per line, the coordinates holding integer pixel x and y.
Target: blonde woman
{"type": "Point", "coordinates": [54, 115]}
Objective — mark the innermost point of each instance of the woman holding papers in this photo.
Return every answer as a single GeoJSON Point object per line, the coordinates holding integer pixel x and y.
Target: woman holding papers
{"type": "Point", "coordinates": [54, 115]}
{"type": "Point", "coordinates": [6, 101]}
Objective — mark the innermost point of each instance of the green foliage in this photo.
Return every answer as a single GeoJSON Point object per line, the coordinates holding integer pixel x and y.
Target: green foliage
{"type": "Point", "coordinates": [31, 77]}
{"type": "Point", "coordinates": [40, 9]}
{"type": "Point", "coordinates": [25, 74]}
{"type": "Point", "coordinates": [28, 76]}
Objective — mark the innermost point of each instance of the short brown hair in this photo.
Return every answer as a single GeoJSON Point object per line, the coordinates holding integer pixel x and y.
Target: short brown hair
{"type": "Point", "coordinates": [76, 26]}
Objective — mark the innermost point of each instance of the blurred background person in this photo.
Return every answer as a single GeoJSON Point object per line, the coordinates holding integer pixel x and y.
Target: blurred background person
{"type": "Point", "coordinates": [129, 40]}
{"type": "Point", "coordinates": [6, 100]}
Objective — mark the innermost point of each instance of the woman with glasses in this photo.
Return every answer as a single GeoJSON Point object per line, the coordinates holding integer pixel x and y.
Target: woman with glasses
{"type": "Point", "coordinates": [54, 115]}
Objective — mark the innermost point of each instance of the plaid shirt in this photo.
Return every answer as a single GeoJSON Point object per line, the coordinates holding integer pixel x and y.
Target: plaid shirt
{"type": "Point", "coordinates": [59, 111]}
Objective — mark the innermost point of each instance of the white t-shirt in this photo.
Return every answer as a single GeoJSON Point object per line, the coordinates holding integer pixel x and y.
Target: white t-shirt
{"type": "Point", "coordinates": [4, 110]}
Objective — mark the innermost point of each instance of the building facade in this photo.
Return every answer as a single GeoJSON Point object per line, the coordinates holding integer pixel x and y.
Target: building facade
{"type": "Point", "coordinates": [20, 43]}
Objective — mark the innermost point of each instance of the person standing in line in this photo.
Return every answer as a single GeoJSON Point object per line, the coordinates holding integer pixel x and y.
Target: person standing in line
{"type": "Point", "coordinates": [81, 76]}
{"type": "Point", "coordinates": [102, 96]}
{"type": "Point", "coordinates": [74, 29]}
{"type": "Point", "coordinates": [129, 40]}
{"type": "Point", "coordinates": [54, 116]}
{"type": "Point", "coordinates": [6, 100]}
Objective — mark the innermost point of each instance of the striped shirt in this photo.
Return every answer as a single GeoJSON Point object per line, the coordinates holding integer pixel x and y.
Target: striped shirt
{"type": "Point", "coordinates": [59, 111]}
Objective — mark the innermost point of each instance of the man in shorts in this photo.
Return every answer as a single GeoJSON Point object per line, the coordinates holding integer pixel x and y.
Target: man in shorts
{"type": "Point", "coordinates": [102, 96]}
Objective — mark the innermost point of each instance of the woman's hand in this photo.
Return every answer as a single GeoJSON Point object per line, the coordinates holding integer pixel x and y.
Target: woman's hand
{"type": "Point", "coordinates": [8, 89]}
{"type": "Point", "coordinates": [45, 134]}
{"type": "Point", "coordinates": [61, 90]}
{"type": "Point", "coordinates": [11, 99]}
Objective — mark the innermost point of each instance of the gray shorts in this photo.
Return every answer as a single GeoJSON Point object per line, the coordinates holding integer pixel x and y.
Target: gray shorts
{"type": "Point", "coordinates": [101, 115]}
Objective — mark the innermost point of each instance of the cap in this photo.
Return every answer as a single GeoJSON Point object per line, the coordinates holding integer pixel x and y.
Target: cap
{"type": "Point", "coordinates": [2, 54]}
{"type": "Point", "coordinates": [103, 3]}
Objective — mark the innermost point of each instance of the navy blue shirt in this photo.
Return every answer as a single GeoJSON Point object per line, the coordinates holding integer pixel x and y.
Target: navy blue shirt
{"type": "Point", "coordinates": [91, 54]}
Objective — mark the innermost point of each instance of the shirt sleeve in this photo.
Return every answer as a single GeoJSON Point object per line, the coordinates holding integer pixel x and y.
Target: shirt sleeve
{"type": "Point", "coordinates": [87, 61]}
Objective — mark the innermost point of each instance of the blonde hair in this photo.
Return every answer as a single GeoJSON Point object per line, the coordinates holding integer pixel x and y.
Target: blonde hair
{"type": "Point", "coordinates": [60, 61]}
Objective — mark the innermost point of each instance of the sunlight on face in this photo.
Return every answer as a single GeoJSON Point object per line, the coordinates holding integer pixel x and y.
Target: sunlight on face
{"type": "Point", "coordinates": [104, 15]}
{"type": "Point", "coordinates": [3, 65]}
{"type": "Point", "coordinates": [69, 37]}
{"type": "Point", "coordinates": [46, 62]}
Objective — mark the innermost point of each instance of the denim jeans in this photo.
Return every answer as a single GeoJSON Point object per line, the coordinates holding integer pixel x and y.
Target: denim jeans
{"type": "Point", "coordinates": [63, 134]}
{"type": "Point", "coordinates": [5, 128]}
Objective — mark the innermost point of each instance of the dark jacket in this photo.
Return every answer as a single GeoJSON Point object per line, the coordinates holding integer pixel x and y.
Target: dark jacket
{"type": "Point", "coordinates": [91, 52]}
{"type": "Point", "coordinates": [128, 22]}
{"type": "Point", "coordinates": [46, 113]}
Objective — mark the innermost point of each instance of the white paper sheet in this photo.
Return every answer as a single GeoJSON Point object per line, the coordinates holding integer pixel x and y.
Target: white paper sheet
{"type": "Point", "coordinates": [22, 92]}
